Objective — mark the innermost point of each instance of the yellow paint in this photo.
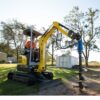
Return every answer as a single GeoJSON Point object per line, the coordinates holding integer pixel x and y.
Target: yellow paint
{"type": "Point", "coordinates": [43, 41]}
{"type": "Point", "coordinates": [22, 60]}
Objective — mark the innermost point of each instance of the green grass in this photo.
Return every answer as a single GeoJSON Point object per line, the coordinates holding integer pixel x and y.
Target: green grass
{"type": "Point", "coordinates": [16, 88]}
{"type": "Point", "coordinates": [4, 69]}
{"type": "Point", "coordinates": [62, 73]}
{"type": "Point", "coordinates": [8, 87]}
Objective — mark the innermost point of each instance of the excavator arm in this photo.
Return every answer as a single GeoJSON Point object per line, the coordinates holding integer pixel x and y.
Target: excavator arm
{"type": "Point", "coordinates": [29, 74]}
{"type": "Point", "coordinates": [43, 40]}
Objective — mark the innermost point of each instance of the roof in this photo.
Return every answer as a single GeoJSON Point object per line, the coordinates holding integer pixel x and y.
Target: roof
{"type": "Point", "coordinates": [34, 32]}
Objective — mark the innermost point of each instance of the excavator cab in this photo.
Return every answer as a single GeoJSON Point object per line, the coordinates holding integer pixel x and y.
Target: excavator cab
{"type": "Point", "coordinates": [30, 57]}
{"type": "Point", "coordinates": [30, 49]}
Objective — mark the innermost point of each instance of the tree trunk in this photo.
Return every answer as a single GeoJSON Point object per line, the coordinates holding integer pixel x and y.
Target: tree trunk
{"type": "Point", "coordinates": [86, 61]}
{"type": "Point", "coordinates": [86, 56]}
{"type": "Point", "coordinates": [8, 46]}
{"type": "Point", "coordinates": [52, 54]}
{"type": "Point", "coordinates": [16, 48]}
{"type": "Point", "coordinates": [17, 54]}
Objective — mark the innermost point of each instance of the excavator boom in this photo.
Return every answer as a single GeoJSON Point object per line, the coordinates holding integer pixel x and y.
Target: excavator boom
{"type": "Point", "coordinates": [43, 40]}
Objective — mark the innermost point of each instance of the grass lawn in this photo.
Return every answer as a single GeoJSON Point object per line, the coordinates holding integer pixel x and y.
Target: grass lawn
{"type": "Point", "coordinates": [61, 72]}
{"type": "Point", "coordinates": [8, 87]}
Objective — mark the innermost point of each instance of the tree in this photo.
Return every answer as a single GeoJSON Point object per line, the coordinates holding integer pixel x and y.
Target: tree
{"type": "Point", "coordinates": [56, 42]}
{"type": "Point", "coordinates": [5, 48]}
{"type": "Point", "coordinates": [52, 43]}
{"type": "Point", "coordinates": [91, 35]}
{"type": "Point", "coordinates": [12, 33]}
{"type": "Point", "coordinates": [84, 23]}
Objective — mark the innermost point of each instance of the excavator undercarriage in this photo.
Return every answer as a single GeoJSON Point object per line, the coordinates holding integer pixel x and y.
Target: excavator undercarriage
{"type": "Point", "coordinates": [29, 75]}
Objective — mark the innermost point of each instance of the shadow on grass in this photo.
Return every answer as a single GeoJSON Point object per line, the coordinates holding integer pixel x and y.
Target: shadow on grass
{"type": "Point", "coordinates": [62, 72]}
{"type": "Point", "coordinates": [95, 74]}
{"type": "Point", "coordinates": [9, 87]}
{"type": "Point", "coordinates": [65, 75]}
{"type": "Point", "coordinates": [94, 86]}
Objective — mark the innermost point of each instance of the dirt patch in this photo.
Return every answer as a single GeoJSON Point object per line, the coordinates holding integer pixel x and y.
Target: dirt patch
{"type": "Point", "coordinates": [91, 82]}
{"type": "Point", "coordinates": [70, 86]}
{"type": "Point", "coordinates": [57, 87]}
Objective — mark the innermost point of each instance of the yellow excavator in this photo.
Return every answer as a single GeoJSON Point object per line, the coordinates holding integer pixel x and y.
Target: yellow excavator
{"type": "Point", "coordinates": [30, 71]}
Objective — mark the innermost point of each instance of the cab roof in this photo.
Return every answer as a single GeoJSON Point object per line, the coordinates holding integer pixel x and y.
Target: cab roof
{"type": "Point", "coordinates": [34, 33]}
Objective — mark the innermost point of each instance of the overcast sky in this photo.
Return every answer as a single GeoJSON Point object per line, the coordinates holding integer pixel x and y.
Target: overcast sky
{"type": "Point", "coordinates": [41, 12]}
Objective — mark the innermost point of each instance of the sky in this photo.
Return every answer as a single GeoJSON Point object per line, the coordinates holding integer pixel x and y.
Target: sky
{"type": "Point", "coordinates": [42, 13]}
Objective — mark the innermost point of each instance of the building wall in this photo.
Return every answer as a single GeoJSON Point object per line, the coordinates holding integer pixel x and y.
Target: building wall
{"type": "Point", "coordinates": [66, 61]}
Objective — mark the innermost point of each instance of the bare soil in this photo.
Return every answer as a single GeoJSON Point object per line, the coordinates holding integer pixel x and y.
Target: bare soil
{"type": "Point", "coordinates": [70, 87]}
